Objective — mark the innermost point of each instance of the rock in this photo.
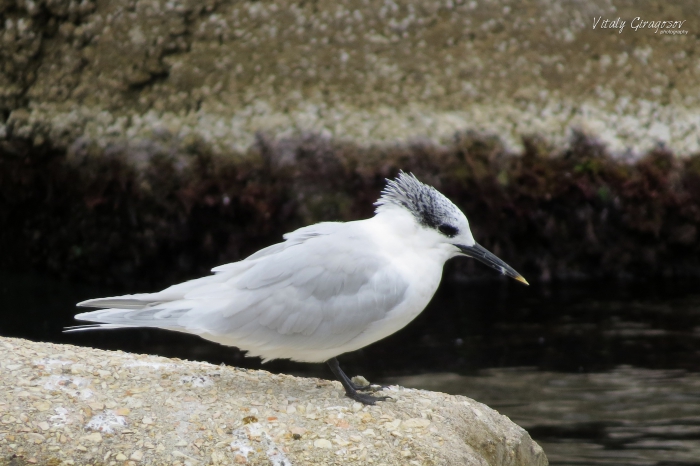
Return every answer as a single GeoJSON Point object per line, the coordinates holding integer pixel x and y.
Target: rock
{"type": "Point", "coordinates": [240, 417]}
{"type": "Point", "coordinates": [322, 443]}
{"type": "Point", "coordinates": [95, 437]}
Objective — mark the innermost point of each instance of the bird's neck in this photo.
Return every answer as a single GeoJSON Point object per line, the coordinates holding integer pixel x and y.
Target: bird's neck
{"type": "Point", "coordinates": [398, 234]}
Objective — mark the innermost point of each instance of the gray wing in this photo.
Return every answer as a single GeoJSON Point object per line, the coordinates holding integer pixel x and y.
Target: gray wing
{"type": "Point", "coordinates": [318, 290]}
{"type": "Point", "coordinates": [321, 293]}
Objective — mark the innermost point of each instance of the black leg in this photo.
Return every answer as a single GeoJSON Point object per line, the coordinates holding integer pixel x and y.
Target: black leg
{"type": "Point", "coordinates": [350, 388]}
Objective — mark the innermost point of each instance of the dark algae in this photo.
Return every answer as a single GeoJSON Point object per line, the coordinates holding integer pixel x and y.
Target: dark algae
{"type": "Point", "coordinates": [158, 211]}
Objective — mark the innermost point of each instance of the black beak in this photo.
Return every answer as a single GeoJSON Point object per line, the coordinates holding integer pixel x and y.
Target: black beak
{"type": "Point", "coordinates": [481, 254]}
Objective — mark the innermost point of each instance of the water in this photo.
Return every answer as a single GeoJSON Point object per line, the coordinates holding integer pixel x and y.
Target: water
{"type": "Point", "coordinates": [624, 416]}
{"type": "Point", "coordinates": [600, 373]}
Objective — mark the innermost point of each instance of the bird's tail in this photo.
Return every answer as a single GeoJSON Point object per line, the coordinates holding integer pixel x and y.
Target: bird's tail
{"type": "Point", "coordinates": [131, 311]}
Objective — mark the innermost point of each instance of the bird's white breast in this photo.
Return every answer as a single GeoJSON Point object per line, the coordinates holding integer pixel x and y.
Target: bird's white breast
{"type": "Point", "coordinates": [409, 250]}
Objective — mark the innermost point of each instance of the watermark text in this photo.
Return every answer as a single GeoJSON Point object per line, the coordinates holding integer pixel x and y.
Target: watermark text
{"type": "Point", "coordinates": [659, 27]}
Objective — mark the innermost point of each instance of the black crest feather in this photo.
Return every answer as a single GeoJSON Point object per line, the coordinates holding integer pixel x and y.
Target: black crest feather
{"type": "Point", "coordinates": [426, 203]}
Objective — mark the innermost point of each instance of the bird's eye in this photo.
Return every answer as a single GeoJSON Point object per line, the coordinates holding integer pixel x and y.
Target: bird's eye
{"type": "Point", "coordinates": [448, 230]}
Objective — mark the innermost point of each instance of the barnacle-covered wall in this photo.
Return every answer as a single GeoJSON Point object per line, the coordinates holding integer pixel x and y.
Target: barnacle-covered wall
{"type": "Point", "coordinates": [360, 70]}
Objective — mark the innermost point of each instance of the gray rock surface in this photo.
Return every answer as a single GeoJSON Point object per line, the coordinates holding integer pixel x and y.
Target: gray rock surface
{"type": "Point", "coordinates": [362, 70]}
{"type": "Point", "coordinates": [62, 404]}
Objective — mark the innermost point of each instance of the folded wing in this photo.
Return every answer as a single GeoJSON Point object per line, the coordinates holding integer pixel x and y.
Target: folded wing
{"type": "Point", "coordinates": [299, 299]}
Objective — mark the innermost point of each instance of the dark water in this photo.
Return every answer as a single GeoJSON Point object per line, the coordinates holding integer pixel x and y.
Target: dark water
{"type": "Point", "coordinates": [603, 373]}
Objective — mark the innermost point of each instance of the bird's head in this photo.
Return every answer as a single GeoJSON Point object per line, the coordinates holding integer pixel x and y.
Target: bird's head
{"type": "Point", "coordinates": [440, 219]}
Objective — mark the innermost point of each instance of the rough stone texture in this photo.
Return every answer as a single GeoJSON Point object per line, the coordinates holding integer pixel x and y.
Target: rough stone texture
{"type": "Point", "coordinates": [62, 404]}
{"type": "Point", "coordinates": [363, 70]}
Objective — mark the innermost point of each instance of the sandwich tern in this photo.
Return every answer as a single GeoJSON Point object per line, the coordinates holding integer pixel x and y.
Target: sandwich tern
{"type": "Point", "coordinates": [328, 289]}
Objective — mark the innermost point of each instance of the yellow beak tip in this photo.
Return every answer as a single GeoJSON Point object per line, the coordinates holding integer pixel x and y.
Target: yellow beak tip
{"type": "Point", "coordinates": [521, 279]}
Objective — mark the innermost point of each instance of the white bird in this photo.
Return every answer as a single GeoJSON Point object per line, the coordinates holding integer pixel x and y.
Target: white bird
{"type": "Point", "coordinates": [328, 289]}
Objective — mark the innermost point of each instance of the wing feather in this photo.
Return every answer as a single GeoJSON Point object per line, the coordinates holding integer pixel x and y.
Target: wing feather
{"type": "Point", "coordinates": [317, 302]}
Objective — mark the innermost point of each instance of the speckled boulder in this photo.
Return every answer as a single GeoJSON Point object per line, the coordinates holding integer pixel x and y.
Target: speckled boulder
{"type": "Point", "coordinates": [62, 404]}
